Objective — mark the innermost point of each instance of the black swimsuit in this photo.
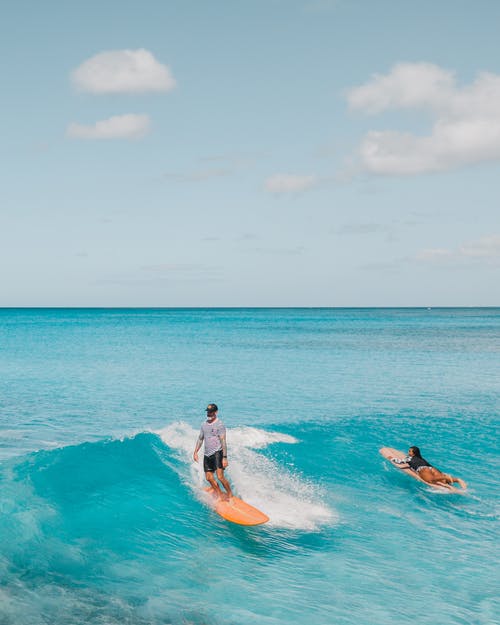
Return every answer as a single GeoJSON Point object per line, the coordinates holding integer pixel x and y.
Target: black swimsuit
{"type": "Point", "coordinates": [416, 464]}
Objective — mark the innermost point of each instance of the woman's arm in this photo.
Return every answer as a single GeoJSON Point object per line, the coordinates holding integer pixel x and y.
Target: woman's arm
{"type": "Point", "coordinates": [401, 460]}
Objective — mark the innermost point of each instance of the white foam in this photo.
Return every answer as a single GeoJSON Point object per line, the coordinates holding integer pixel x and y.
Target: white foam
{"type": "Point", "coordinates": [257, 439]}
{"type": "Point", "coordinates": [289, 500]}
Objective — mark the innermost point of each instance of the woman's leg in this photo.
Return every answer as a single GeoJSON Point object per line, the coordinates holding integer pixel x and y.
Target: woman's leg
{"type": "Point", "coordinates": [434, 476]}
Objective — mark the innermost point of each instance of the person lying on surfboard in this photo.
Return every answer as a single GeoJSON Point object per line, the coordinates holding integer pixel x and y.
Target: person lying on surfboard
{"type": "Point", "coordinates": [425, 470]}
{"type": "Point", "coordinates": [213, 433]}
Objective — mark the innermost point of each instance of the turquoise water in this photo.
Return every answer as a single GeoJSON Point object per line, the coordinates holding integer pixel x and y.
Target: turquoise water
{"type": "Point", "coordinates": [102, 514]}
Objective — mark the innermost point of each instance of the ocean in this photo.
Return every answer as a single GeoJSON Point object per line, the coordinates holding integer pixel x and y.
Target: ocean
{"type": "Point", "coordinates": [103, 519]}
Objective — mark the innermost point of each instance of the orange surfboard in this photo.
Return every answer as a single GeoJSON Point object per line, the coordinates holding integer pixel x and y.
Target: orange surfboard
{"type": "Point", "coordinates": [389, 453]}
{"type": "Point", "coordinates": [238, 511]}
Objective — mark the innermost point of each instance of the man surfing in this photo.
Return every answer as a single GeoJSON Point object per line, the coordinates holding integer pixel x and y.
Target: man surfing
{"type": "Point", "coordinates": [213, 434]}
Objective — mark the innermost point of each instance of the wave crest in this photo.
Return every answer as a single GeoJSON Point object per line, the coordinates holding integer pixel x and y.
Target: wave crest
{"type": "Point", "coordinates": [288, 499]}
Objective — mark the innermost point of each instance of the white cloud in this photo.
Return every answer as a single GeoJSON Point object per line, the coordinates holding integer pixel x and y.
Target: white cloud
{"type": "Point", "coordinates": [466, 121]}
{"type": "Point", "coordinates": [486, 249]}
{"type": "Point", "coordinates": [434, 254]}
{"type": "Point", "coordinates": [123, 71]}
{"type": "Point", "coordinates": [117, 127]}
{"type": "Point", "coordinates": [409, 85]}
{"type": "Point", "coordinates": [289, 183]}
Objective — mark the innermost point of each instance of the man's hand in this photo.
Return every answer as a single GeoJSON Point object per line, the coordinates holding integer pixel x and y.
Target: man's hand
{"type": "Point", "coordinates": [224, 462]}
{"type": "Point", "coordinates": [195, 456]}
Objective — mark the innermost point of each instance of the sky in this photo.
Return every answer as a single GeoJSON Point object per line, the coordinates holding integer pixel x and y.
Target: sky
{"type": "Point", "coordinates": [250, 153]}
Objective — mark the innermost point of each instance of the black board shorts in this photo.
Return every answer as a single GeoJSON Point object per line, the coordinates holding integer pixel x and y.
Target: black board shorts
{"type": "Point", "coordinates": [213, 462]}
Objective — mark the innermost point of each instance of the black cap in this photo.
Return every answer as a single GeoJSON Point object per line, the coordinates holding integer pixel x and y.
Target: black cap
{"type": "Point", "coordinates": [211, 408]}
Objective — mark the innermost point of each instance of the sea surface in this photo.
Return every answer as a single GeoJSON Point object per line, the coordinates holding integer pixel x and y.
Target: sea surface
{"type": "Point", "coordinates": [103, 519]}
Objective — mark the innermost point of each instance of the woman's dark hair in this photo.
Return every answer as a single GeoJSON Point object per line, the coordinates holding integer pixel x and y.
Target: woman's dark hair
{"type": "Point", "coordinates": [416, 451]}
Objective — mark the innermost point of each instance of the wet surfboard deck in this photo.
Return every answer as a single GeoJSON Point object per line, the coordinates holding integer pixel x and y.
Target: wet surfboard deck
{"type": "Point", "coordinates": [389, 452]}
{"type": "Point", "coordinates": [237, 511]}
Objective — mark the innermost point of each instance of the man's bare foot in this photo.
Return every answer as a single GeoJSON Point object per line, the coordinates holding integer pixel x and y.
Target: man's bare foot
{"type": "Point", "coordinates": [215, 492]}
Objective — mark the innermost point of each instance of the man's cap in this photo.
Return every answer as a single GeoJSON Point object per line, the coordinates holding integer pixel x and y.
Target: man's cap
{"type": "Point", "coordinates": [212, 408]}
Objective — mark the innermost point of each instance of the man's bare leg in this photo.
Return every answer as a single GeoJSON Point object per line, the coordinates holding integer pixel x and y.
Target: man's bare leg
{"type": "Point", "coordinates": [222, 479]}
{"type": "Point", "coordinates": [214, 484]}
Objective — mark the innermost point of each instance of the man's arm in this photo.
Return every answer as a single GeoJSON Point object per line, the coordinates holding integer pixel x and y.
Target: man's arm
{"type": "Point", "coordinates": [222, 438]}
{"type": "Point", "coordinates": [199, 443]}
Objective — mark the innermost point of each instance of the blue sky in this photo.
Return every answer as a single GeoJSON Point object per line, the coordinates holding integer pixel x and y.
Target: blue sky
{"type": "Point", "coordinates": [258, 153]}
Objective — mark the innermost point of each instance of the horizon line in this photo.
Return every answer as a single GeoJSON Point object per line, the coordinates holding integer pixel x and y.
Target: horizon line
{"type": "Point", "coordinates": [418, 307]}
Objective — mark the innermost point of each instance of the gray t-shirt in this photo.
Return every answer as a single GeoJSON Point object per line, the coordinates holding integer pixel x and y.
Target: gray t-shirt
{"type": "Point", "coordinates": [211, 433]}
